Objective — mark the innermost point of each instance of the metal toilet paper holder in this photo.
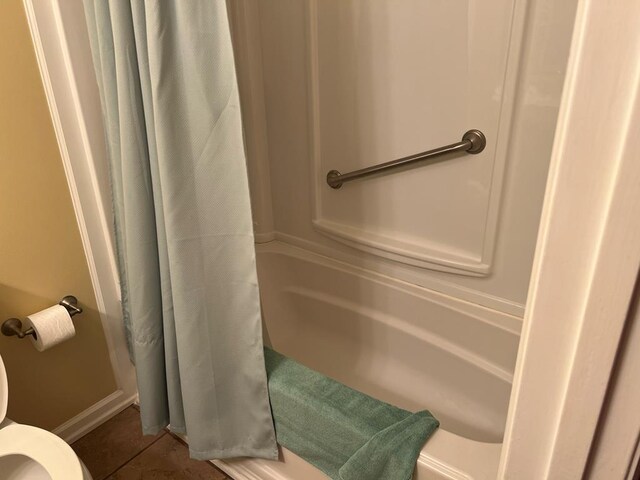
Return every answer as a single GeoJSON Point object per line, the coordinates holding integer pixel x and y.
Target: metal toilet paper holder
{"type": "Point", "coordinates": [13, 326]}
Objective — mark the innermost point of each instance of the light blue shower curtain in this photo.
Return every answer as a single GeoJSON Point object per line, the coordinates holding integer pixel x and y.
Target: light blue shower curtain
{"type": "Point", "coordinates": [184, 235]}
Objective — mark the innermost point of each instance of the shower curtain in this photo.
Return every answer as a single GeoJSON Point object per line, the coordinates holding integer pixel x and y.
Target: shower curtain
{"type": "Point", "coordinates": [183, 226]}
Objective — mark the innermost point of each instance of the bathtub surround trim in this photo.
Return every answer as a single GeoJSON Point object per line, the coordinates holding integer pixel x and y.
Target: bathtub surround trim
{"type": "Point", "coordinates": [81, 149]}
{"type": "Point", "coordinates": [587, 255]}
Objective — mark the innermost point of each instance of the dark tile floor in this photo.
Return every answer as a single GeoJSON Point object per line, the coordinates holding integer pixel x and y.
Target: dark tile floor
{"type": "Point", "coordinates": [117, 450]}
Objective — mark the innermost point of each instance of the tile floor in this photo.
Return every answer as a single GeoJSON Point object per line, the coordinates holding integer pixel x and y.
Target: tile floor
{"type": "Point", "coordinates": [117, 450]}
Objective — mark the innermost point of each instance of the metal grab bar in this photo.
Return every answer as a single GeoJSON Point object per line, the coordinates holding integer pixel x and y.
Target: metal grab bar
{"type": "Point", "coordinates": [472, 142]}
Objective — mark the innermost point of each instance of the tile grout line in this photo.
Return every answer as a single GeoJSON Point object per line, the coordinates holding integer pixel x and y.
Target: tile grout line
{"type": "Point", "coordinates": [164, 432]}
{"type": "Point", "coordinates": [181, 440]}
{"type": "Point", "coordinates": [175, 437]}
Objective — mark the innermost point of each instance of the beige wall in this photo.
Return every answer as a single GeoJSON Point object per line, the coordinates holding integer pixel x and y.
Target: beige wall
{"type": "Point", "coordinates": [41, 254]}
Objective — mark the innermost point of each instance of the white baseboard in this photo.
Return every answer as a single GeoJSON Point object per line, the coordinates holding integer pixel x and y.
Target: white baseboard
{"type": "Point", "coordinates": [94, 416]}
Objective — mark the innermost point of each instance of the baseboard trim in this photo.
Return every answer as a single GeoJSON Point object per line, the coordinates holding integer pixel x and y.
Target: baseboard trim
{"type": "Point", "coordinates": [94, 416]}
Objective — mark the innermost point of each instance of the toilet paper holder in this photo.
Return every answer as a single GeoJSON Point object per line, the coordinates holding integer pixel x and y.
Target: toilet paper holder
{"type": "Point", "coordinates": [13, 326]}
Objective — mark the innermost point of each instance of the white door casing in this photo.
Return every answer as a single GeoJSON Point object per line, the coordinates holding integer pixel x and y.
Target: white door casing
{"type": "Point", "coordinates": [587, 255]}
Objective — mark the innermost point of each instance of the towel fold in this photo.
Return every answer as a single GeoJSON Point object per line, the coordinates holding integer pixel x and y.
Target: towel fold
{"type": "Point", "coordinates": [345, 433]}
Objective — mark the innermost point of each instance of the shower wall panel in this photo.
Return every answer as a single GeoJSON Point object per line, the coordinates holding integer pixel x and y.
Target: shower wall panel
{"type": "Point", "coordinates": [352, 83]}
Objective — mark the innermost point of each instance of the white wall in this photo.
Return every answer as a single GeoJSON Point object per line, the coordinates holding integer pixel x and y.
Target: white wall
{"type": "Point", "coordinates": [509, 178]}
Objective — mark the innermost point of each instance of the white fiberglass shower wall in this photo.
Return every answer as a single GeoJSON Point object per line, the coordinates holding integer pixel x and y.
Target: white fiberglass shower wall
{"type": "Point", "coordinates": [410, 286]}
{"type": "Point", "coordinates": [348, 84]}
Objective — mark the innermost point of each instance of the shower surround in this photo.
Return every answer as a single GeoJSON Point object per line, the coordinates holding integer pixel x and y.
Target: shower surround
{"type": "Point", "coordinates": [408, 286]}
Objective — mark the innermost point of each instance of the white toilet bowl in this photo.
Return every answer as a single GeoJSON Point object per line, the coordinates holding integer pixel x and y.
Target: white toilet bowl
{"type": "Point", "coordinates": [33, 453]}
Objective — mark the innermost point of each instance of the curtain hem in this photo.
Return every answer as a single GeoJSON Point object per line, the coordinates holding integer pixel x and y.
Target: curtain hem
{"type": "Point", "coordinates": [235, 452]}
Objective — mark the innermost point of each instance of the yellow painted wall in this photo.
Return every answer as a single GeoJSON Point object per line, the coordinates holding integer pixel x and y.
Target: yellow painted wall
{"type": "Point", "coordinates": [41, 254]}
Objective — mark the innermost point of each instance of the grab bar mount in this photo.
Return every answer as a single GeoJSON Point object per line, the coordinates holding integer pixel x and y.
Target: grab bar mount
{"type": "Point", "coordinates": [472, 142]}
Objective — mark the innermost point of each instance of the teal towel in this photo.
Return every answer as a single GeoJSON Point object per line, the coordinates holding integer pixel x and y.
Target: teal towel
{"type": "Point", "coordinates": [345, 433]}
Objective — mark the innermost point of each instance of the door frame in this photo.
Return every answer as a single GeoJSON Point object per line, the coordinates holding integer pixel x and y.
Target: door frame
{"type": "Point", "coordinates": [588, 249]}
{"type": "Point", "coordinates": [587, 255]}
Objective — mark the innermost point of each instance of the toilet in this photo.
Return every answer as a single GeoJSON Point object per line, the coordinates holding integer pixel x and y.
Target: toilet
{"type": "Point", "coordinates": [32, 453]}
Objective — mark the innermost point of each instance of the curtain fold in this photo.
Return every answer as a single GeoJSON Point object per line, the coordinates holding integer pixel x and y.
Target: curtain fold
{"type": "Point", "coordinates": [183, 226]}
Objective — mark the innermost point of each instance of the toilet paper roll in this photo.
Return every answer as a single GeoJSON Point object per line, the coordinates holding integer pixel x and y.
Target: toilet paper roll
{"type": "Point", "coordinates": [52, 326]}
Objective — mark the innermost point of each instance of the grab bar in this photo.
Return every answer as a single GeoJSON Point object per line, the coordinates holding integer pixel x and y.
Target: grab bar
{"type": "Point", "coordinates": [472, 142]}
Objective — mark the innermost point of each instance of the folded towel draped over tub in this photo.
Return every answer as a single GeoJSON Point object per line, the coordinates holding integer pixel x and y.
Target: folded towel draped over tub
{"type": "Point", "coordinates": [345, 433]}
